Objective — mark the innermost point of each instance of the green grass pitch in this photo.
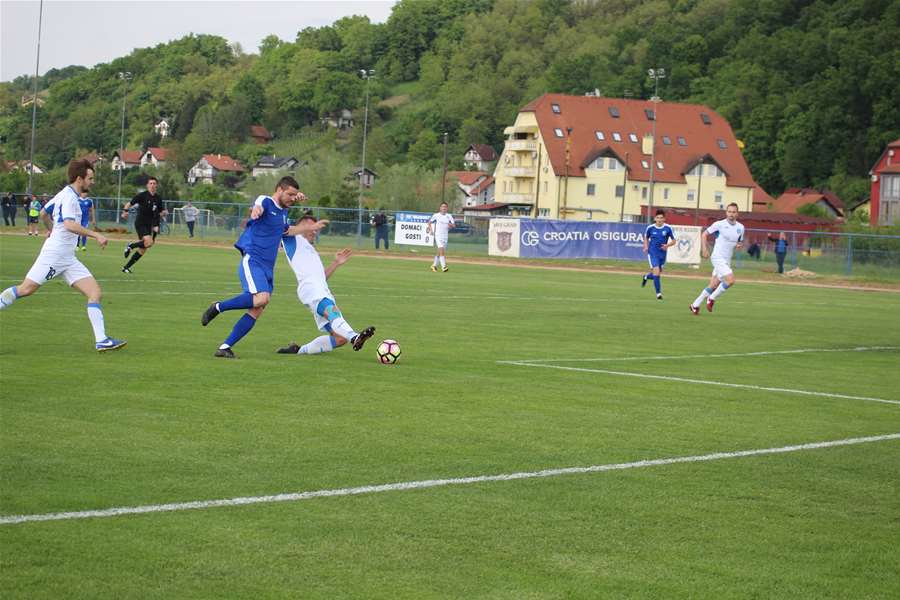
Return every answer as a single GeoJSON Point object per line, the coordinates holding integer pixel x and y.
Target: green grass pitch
{"type": "Point", "coordinates": [162, 421]}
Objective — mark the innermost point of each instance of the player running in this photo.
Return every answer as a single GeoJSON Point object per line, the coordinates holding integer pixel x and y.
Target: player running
{"type": "Point", "coordinates": [658, 238]}
{"type": "Point", "coordinates": [150, 209]}
{"type": "Point", "coordinates": [729, 235]}
{"type": "Point", "coordinates": [57, 255]}
{"type": "Point", "coordinates": [87, 218]}
{"type": "Point", "coordinates": [440, 225]}
{"type": "Point", "coordinates": [258, 246]}
{"type": "Point", "coordinates": [312, 289]}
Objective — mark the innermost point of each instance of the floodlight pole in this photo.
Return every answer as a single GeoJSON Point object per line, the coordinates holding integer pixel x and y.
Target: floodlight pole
{"type": "Point", "coordinates": [124, 76]}
{"type": "Point", "coordinates": [444, 176]}
{"type": "Point", "coordinates": [655, 74]}
{"type": "Point", "coordinates": [34, 99]}
{"type": "Point", "coordinates": [367, 75]}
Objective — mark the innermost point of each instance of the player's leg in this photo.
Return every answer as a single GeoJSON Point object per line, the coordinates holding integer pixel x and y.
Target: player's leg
{"type": "Point", "coordinates": [657, 281]}
{"type": "Point", "coordinates": [81, 279]}
{"type": "Point", "coordinates": [339, 327]}
{"type": "Point", "coordinates": [442, 253]}
{"type": "Point", "coordinates": [727, 278]}
{"type": "Point", "coordinates": [253, 282]}
{"type": "Point", "coordinates": [713, 283]}
{"type": "Point", "coordinates": [11, 294]}
{"type": "Point", "coordinates": [257, 280]}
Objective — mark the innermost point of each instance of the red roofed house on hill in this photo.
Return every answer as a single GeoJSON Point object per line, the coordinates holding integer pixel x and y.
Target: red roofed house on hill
{"type": "Point", "coordinates": [884, 202]}
{"type": "Point", "coordinates": [480, 157]}
{"type": "Point", "coordinates": [125, 159]}
{"type": "Point", "coordinates": [794, 198]}
{"type": "Point", "coordinates": [472, 187]}
{"type": "Point", "coordinates": [206, 169]}
{"type": "Point", "coordinates": [154, 156]}
{"type": "Point", "coordinates": [588, 158]}
{"type": "Point", "coordinates": [260, 134]}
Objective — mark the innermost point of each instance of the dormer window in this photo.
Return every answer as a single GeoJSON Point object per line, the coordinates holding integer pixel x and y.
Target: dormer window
{"type": "Point", "coordinates": [555, 108]}
{"type": "Point", "coordinates": [705, 118]}
{"type": "Point", "coordinates": [651, 115]}
{"type": "Point", "coordinates": [682, 141]}
{"type": "Point", "coordinates": [558, 132]}
{"type": "Point", "coordinates": [645, 164]}
{"type": "Point", "coordinates": [614, 112]}
{"type": "Point", "coordinates": [632, 137]}
{"type": "Point", "coordinates": [722, 144]}
{"type": "Point", "coordinates": [600, 135]}
{"type": "Point", "coordinates": [616, 136]}
{"type": "Point", "coordinates": [659, 165]}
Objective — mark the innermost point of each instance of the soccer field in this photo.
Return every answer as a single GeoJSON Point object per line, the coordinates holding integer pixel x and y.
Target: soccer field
{"type": "Point", "coordinates": [545, 434]}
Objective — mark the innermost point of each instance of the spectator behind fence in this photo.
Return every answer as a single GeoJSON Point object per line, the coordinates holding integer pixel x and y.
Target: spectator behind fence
{"type": "Point", "coordinates": [190, 216]}
{"type": "Point", "coordinates": [380, 221]}
{"type": "Point", "coordinates": [781, 245]}
{"type": "Point", "coordinates": [754, 250]}
{"type": "Point", "coordinates": [9, 209]}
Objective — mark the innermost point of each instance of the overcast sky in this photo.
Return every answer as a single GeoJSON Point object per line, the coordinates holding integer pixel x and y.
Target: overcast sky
{"type": "Point", "coordinates": [78, 32]}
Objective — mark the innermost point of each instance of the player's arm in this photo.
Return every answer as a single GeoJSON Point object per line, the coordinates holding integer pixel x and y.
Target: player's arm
{"type": "Point", "coordinates": [740, 242]}
{"type": "Point", "coordinates": [339, 259]}
{"type": "Point", "coordinates": [93, 217]}
{"type": "Point", "coordinates": [671, 241]}
{"type": "Point", "coordinates": [46, 219]}
{"type": "Point", "coordinates": [73, 226]}
{"type": "Point", "coordinates": [452, 223]}
{"type": "Point", "coordinates": [306, 226]}
{"type": "Point", "coordinates": [428, 227]}
{"type": "Point", "coordinates": [646, 240]}
{"type": "Point", "coordinates": [704, 246]}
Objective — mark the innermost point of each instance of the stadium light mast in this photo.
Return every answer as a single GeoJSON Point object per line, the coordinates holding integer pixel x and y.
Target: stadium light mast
{"type": "Point", "coordinates": [125, 76]}
{"type": "Point", "coordinates": [367, 75]}
{"type": "Point", "coordinates": [444, 177]}
{"type": "Point", "coordinates": [34, 99]}
{"type": "Point", "coordinates": [655, 74]}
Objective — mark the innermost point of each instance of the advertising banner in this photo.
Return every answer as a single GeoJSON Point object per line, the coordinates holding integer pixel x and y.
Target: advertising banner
{"type": "Point", "coordinates": [581, 239]}
{"type": "Point", "coordinates": [411, 229]}
{"type": "Point", "coordinates": [503, 237]}
{"type": "Point", "coordinates": [687, 245]}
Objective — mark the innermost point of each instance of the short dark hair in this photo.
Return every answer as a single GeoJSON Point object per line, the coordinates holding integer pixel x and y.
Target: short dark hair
{"type": "Point", "coordinates": [78, 168]}
{"type": "Point", "coordinates": [286, 182]}
{"type": "Point", "coordinates": [307, 217]}
{"type": "Point", "coordinates": [734, 204]}
{"type": "Point", "coordinates": [660, 211]}
{"type": "Point", "coordinates": [443, 203]}
{"type": "Point", "coordinates": [152, 178]}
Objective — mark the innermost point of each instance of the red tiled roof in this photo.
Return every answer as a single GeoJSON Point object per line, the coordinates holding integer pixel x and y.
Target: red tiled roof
{"type": "Point", "coordinates": [708, 215]}
{"type": "Point", "coordinates": [588, 114]}
{"type": "Point", "coordinates": [258, 131]}
{"type": "Point", "coordinates": [467, 177]}
{"type": "Point", "coordinates": [223, 162]}
{"type": "Point", "coordinates": [130, 156]}
{"type": "Point", "coordinates": [482, 185]}
{"type": "Point", "coordinates": [761, 196]}
{"type": "Point", "coordinates": [794, 198]}
{"type": "Point", "coordinates": [158, 153]}
{"type": "Point", "coordinates": [491, 206]}
{"type": "Point", "coordinates": [485, 151]}
{"type": "Point", "coordinates": [894, 168]}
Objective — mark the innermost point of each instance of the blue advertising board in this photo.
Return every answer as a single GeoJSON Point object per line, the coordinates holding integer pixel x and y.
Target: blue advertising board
{"type": "Point", "coordinates": [540, 238]}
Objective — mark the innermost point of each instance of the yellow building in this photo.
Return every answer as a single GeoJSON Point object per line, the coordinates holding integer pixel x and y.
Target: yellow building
{"type": "Point", "coordinates": [591, 158]}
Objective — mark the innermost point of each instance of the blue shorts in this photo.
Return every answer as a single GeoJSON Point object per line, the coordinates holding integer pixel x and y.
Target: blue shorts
{"type": "Point", "coordinates": [656, 259]}
{"type": "Point", "coordinates": [255, 276]}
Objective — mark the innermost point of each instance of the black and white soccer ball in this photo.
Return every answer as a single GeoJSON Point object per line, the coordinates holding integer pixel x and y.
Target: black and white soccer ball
{"type": "Point", "coordinates": [388, 352]}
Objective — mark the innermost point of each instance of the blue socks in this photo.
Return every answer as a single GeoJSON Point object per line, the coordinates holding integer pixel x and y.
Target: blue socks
{"type": "Point", "coordinates": [241, 328]}
{"type": "Point", "coordinates": [243, 301]}
{"type": "Point", "coordinates": [657, 282]}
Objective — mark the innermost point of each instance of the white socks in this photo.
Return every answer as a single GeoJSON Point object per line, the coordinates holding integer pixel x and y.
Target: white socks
{"type": "Point", "coordinates": [443, 262]}
{"type": "Point", "coordinates": [96, 317]}
{"type": "Point", "coordinates": [719, 291]}
{"type": "Point", "coordinates": [7, 297]}
{"type": "Point", "coordinates": [342, 328]}
{"type": "Point", "coordinates": [706, 292]}
{"type": "Point", "coordinates": [323, 343]}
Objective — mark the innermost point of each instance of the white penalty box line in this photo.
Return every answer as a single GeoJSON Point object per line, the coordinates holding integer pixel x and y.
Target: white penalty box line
{"type": "Point", "coordinates": [434, 483]}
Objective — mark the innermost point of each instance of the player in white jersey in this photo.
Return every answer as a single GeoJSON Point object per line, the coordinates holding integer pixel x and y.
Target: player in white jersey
{"type": "Point", "coordinates": [313, 291]}
{"type": "Point", "coordinates": [57, 256]}
{"type": "Point", "coordinates": [440, 225]}
{"type": "Point", "coordinates": [729, 235]}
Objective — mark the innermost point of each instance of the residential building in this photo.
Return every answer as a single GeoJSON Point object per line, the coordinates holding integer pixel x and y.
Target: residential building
{"type": "Point", "coordinates": [365, 176]}
{"type": "Point", "coordinates": [472, 188]}
{"type": "Point", "coordinates": [342, 119]}
{"type": "Point", "coordinates": [260, 134]}
{"type": "Point", "coordinates": [593, 158]}
{"type": "Point", "coordinates": [271, 165]}
{"type": "Point", "coordinates": [884, 200]}
{"type": "Point", "coordinates": [21, 165]}
{"type": "Point", "coordinates": [480, 157]}
{"type": "Point", "coordinates": [207, 168]}
{"type": "Point", "coordinates": [162, 128]}
{"type": "Point", "coordinates": [794, 198]}
{"type": "Point", "coordinates": [155, 157]}
{"type": "Point", "coordinates": [125, 159]}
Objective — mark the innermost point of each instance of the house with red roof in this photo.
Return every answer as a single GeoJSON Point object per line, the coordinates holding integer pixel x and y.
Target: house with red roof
{"type": "Point", "coordinates": [209, 166]}
{"type": "Point", "coordinates": [155, 157]}
{"type": "Point", "coordinates": [611, 159]}
{"type": "Point", "coordinates": [480, 157]}
{"type": "Point", "coordinates": [884, 199]}
{"type": "Point", "coordinates": [794, 198]}
{"type": "Point", "coordinates": [260, 134]}
{"type": "Point", "coordinates": [125, 159]}
{"type": "Point", "coordinates": [473, 188]}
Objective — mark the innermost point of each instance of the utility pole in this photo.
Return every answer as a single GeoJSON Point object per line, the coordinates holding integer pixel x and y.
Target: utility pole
{"type": "Point", "coordinates": [655, 75]}
{"type": "Point", "coordinates": [444, 177]}
{"type": "Point", "coordinates": [34, 99]}
{"type": "Point", "coordinates": [126, 77]}
{"type": "Point", "coordinates": [367, 75]}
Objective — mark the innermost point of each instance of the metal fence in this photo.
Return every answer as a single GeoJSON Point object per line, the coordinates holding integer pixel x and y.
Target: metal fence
{"type": "Point", "coordinates": [846, 254]}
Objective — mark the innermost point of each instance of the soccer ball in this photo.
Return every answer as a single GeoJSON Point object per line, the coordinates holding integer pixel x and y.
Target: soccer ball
{"type": "Point", "coordinates": [388, 352]}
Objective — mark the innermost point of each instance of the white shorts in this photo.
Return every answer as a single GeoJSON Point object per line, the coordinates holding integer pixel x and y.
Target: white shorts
{"type": "Point", "coordinates": [721, 268]}
{"type": "Point", "coordinates": [49, 266]}
{"type": "Point", "coordinates": [440, 242]}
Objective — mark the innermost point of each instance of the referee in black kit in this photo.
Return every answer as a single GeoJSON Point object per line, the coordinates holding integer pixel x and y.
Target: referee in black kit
{"type": "Point", "coordinates": [150, 209]}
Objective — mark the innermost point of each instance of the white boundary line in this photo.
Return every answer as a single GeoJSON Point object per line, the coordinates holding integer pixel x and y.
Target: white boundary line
{"type": "Point", "coordinates": [704, 382]}
{"type": "Point", "coordinates": [433, 483]}
{"type": "Point", "coordinates": [675, 357]}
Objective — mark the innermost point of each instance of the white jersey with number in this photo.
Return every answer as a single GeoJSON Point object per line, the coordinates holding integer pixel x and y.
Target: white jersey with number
{"type": "Point", "coordinates": [728, 237]}
{"type": "Point", "coordinates": [312, 284]}
{"type": "Point", "coordinates": [66, 207]}
{"type": "Point", "coordinates": [440, 224]}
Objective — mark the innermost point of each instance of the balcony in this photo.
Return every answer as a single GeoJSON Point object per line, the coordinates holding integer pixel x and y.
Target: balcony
{"type": "Point", "coordinates": [519, 171]}
{"type": "Point", "coordinates": [516, 198]}
{"type": "Point", "coordinates": [522, 145]}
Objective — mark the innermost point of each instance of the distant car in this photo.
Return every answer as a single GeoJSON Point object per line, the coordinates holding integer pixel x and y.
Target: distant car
{"type": "Point", "coordinates": [462, 229]}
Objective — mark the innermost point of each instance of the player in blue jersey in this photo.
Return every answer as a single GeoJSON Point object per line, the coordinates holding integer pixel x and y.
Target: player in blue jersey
{"type": "Point", "coordinates": [87, 218]}
{"type": "Point", "coordinates": [258, 246]}
{"type": "Point", "coordinates": [658, 238]}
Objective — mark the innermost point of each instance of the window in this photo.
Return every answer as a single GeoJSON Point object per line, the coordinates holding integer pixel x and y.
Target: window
{"type": "Point", "coordinates": [600, 135]}
{"type": "Point", "coordinates": [544, 212]}
{"type": "Point", "coordinates": [665, 193]}
{"type": "Point", "coordinates": [620, 191]}
{"type": "Point", "coordinates": [650, 115]}
{"type": "Point", "coordinates": [555, 108]}
{"type": "Point", "coordinates": [597, 164]}
{"type": "Point", "coordinates": [644, 193]}
{"type": "Point", "coordinates": [616, 136]}
{"type": "Point", "coordinates": [632, 137]}
{"type": "Point", "coordinates": [558, 132]}
{"type": "Point", "coordinates": [614, 112]}
{"type": "Point", "coordinates": [545, 189]}
{"type": "Point", "coordinates": [722, 144]}
{"type": "Point", "coordinates": [659, 165]}
{"type": "Point", "coordinates": [719, 197]}
{"type": "Point", "coordinates": [682, 141]}
{"type": "Point", "coordinates": [691, 195]}
{"type": "Point", "coordinates": [713, 171]}
{"type": "Point", "coordinates": [591, 189]}
{"type": "Point", "coordinates": [645, 164]}
{"type": "Point", "coordinates": [614, 165]}
{"type": "Point", "coordinates": [705, 118]}
{"type": "Point", "coordinates": [667, 140]}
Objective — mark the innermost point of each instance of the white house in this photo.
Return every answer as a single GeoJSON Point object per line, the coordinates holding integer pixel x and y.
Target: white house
{"type": "Point", "coordinates": [342, 119]}
{"type": "Point", "coordinates": [162, 129]}
{"type": "Point", "coordinates": [206, 169]}
{"type": "Point", "coordinates": [155, 157]}
{"type": "Point", "coordinates": [125, 159]}
{"type": "Point", "coordinates": [367, 176]}
{"type": "Point", "coordinates": [480, 157]}
{"type": "Point", "coordinates": [270, 165]}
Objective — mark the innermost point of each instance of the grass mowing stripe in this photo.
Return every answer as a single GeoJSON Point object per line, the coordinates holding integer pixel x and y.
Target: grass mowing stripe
{"type": "Point", "coordinates": [729, 355]}
{"type": "Point", "coordinates": [431, 483]}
